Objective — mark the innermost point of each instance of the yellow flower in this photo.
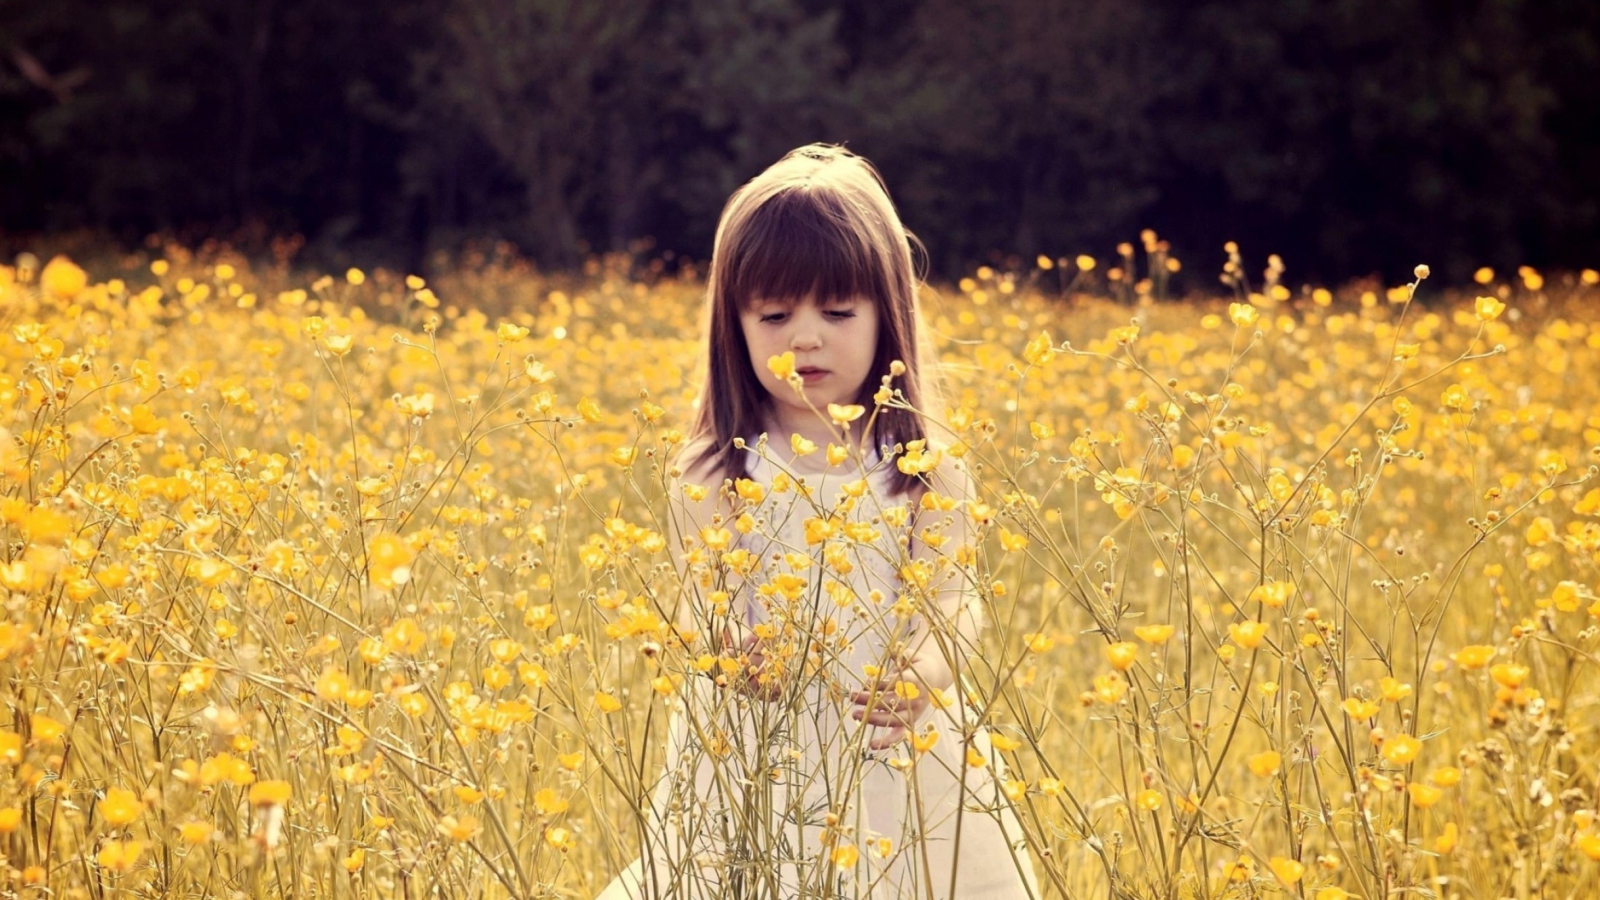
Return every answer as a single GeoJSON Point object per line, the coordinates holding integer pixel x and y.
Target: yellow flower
{"type": "Point", "coordinates": [355, 860]}
{"type": "Point", "coordinates": [549, 803]}
{"type": "Point", "coordinates": [1265, 764]}
{"type": "Point", "coordinates": [1566, 596]}
{"type": "Point", "coordinates": [538, 372]}
{"type": "Point", "coordinates": [1423, 795]}
{"type": "Point", "coordinates": [119, 856]}
{"type": "Point", "coordinates": [1488, 308]}
{"type": "Point", "coordinates": [404, 636]}
{"type": "Point", "coordinates": [1445, 776]}
{"type": "Point", "coordinates": [1154, 634]}
{"type": "Point", "coordinates": [1012, 541]}
{"type": "Point", "coordinates": [1393, 689]}
{"type": "Point", "coordinates": [10, 818]}
{"type": "Point", "coordinates": [1289, 871]}
{"type": "Point", "coordinates": [1474, 656]}
{"type": "Point", "coordinates": [1273, 593]}
{"type": "Point", "coordinates": [1248, 635]}
{"type": "Point", "coordinates": [1357, 708]}
{"type": "Point", "coordinates": [845, 856]}
{"type": "Point", "coordinates": [195, 832]}
{"type": "Point", "coordinates": [1540, 532]}
{"type": "Point", "coordinates": [270, 793]}
{"type": "Point", "coordinates": [1040, 350]}
{"type": "Point", "coordinates": [1110, 689]}
{"type": "Point", "coordinates": [1148, 800]}
{"type": "Point", "coordinates": [120, 806]}
{"type": "Point", "coordinates": [606, 702]}
{"type": "Point", "coordinates": [62, 277]}
{"type": "Point", "coordinates": [1447, 839]}
{"type": "Point", "coordinates": [844, 415]}
{"type": "Point", "coordinates": [1243, 314]}
{"type": "Point", "coordinates": [1400, 749]}
{"type": "Point", "coordinates": [802, 446]}
{"type": "Point", "coordinates": [504, 650]}
{"type": "Point", "coordinates": [782, 365]}
{"type": "Point", "coordinates": [1589, 845]}
{"type": "Point", "coordinates": [1510, 675]}
{"type": "Point", "coordinates": [1122, 654]}
{"type": "Point", "coordinates": [144, 421]}
{"type": "Point", "coordinates": [918, 460]}
{"type": "Point", "coordinates": [332, 685]}
{"type": "Point", "coordinates": [1003, 742]}
{"type": "Point", "coordinates": [462, 829]}
{"type": "Point", "coordinates": [45, 728]}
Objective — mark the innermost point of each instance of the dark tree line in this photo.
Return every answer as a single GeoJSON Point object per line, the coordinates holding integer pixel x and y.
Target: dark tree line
{"type": "Point", "coordinates": [1348, 135]}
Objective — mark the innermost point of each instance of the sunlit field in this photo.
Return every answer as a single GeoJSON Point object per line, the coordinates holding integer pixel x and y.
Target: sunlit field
{"type": "Point", "coordinates": [359, 585]}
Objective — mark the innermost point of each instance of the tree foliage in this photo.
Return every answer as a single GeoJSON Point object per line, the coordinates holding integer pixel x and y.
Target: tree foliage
{"type": "Point", "coordinates": [1348, 135]}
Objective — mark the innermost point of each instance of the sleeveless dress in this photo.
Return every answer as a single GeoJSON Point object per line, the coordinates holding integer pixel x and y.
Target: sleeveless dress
{"type": "Point", "coordinates": [786, 800]}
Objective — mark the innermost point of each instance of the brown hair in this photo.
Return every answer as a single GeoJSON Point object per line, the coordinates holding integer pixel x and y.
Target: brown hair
{"type": "Point", "coordinates": [817, 222]}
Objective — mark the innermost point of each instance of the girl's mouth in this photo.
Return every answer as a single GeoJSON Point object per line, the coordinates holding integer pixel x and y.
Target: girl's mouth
{"type": "Point", "coordinates": [810, 374]}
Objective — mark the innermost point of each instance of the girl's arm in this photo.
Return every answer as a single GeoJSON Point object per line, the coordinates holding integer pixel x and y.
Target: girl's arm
{"type": "Point", "coordinates": [946, 631]}
{"type": "Point", "coordinates": [686, 517]}
{"type": "Point", "coordinates": [952, 606]}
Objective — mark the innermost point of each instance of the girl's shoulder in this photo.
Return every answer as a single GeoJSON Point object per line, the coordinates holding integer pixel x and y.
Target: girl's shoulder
{"type": "Point", "coordinates": [696, 464]}
{"type": "Point", "coordinates": [949, 477]}
{"type": "Point", "coordinates": [697, 486]}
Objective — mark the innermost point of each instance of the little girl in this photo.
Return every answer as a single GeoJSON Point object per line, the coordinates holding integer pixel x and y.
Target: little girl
{"type": "Point", "coordinates": [828, 749]}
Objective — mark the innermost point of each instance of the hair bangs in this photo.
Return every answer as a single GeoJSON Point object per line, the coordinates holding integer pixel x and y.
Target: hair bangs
{"type": "Point", "coordinates": [802, 243]}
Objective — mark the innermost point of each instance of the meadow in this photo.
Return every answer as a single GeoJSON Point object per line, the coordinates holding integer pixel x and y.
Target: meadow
{"type": "Point", "coordinates": [358, 585]}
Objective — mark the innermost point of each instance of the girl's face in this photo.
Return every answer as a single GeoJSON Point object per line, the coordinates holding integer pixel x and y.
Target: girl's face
{"type": "Point", "coordinates": [834, 345]}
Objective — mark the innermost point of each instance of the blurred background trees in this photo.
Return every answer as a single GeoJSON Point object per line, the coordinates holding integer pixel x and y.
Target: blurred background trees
{"type": "Point", "coordinates": [1350, 136]}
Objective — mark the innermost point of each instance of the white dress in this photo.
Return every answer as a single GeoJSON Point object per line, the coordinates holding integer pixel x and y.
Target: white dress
{"type": "Point", "coordinates": [780, 801]}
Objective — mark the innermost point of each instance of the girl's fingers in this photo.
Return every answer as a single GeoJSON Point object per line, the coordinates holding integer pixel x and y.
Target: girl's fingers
{"type": "Point", "coordinates": [880, 717]}
{"type": "Point", "coordinates": [894, 735]}
{"type": "Point", "coordinates": [883, 699]}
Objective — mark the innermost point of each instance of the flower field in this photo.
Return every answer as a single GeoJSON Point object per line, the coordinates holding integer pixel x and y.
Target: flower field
{"type": "Point", "coordinates": [360, 585]}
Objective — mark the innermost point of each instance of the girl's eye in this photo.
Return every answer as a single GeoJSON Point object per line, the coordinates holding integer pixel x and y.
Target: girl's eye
{"type": "Point", "coordinates": [841, 314]}
{"type": "Point", "coordinates": [774, 317]}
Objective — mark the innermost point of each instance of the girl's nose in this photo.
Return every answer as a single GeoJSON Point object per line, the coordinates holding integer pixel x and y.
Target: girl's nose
{"type": "Point", "coordinates": [805, 338]}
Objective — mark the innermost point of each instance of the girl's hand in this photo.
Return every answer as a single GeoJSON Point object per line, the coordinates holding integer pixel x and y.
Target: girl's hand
{"type": "Point", "coordinates": [748, 680]}
{"type": "Point", "coordinates": [895, 710]}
